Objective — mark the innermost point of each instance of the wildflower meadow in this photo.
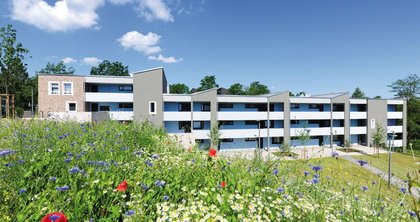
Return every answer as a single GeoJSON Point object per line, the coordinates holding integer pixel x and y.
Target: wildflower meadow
{"type": "Point", "coordinates": [53, 171]}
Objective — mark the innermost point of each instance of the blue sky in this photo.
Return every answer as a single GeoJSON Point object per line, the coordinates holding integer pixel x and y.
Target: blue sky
{"type": "Point", "coordinates": [314, 46]}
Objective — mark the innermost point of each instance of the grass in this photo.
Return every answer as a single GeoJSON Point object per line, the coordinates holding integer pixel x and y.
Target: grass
{"type": "Point", "coordinates": [348, 150]}
{"type": "Point", "coordinates": [401, 164]}
{"type": "Point", "coordinates": [76, 169]}
{"type": "Point", "coordinates": [285, 154]}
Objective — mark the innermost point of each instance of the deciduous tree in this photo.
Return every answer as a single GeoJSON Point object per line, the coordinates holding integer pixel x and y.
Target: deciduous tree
{"type": "Point", "coordinates": [107, 68]}
{"type": "Point", "coordinates": [208, 82]}
{"type": "Point", "coordinates": [59, 68]}
{"type": "Point", "coordinates": [236, 89]}
{"type": "Point", "coordinates": [358, 94]}
{"type": "Point", "coordinates": [256, 88]}
{"type": "Point", "coordinates": [179, 88]}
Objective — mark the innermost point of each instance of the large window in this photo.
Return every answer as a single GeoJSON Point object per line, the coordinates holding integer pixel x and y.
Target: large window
{"type": "Point", "coordinates": [71, 106]}
{"type": "Point", "coordinates": [125, 105]}
{"type": "Point", "coordinates": [227, 140]}
{"type": "Point", "coordinates": [68, 88]}
{"type": "Point", "coordinates": [185, 125]}
{"type": "Point", "coordinates": [276, 140]}
{"type": "Point", "coordinates": [53, 88]}
{"type": "Point", "coordinates": [225, 123]}
{"type": "Point", "coordinates": [294, 105]}
{"type": "Point", "coordinates": [184, 107]}
{"type": "Point", "coordinates": [251, 139]}
{"type": "Point", "coordinates": [152, 107]}
{"type": "Point", "coordinates": [125, 88]}
{"type": "Point", "coordinates": [205, 107]}
{"type": "Point", "coordinates": [198, 124]}
{"type": "Point", "coordinates": [225, 106]}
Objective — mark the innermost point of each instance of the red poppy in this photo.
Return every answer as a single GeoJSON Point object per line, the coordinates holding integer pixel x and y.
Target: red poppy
{"type": "Point", "coordinates": [54, 217]}
{"type": "Point", "coordinates": [223, 184]}
{"type": "Point", "coordinates": [212, 152]}
{"type": "Point", "coordinates": [123, 186]}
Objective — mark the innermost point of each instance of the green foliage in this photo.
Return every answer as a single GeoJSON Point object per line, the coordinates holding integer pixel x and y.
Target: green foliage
{"type": "Point", "coordinates": [107, 68]}
{"type": "Point", "coordinates": [413, 119]}
{"type": "Point", "coordinates": [13, 73]}
{"type": "Point", "coordinates": [179, 88]}
{"type": "Point", "coordinates": [215, 135]}
{"type": "Point", "coordinates": [285, 147]}
{"type": "Point", "coordinates": [303, 136]}
{"type": "Point", "coordinates": [59, 68]}
{"type": "Point", "coordinates": [108, 153]}
{"type": "Point", "coordinates": [378, 135]}
{"type": "Point", "coordinates": [236, 89]}
{"type": "Point", "coordinates": [256, 88]}
{"type": "Point", "coordinates": [358, 94]}
{"type": "Point", "coordinates": [377, 97]}
{"type": "Point", "coordinates": [407, 88]}
{"type": "Point", "coordinates": [208, 82]}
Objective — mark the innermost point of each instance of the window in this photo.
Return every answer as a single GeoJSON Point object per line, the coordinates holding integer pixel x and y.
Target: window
{"type": "Point", "coordinates": [68, 88]}
{"type": "Point", "coordinates": [199, 141]}
{"type": "Point", "coordinates": [198, 124]}
{"type": "Point", "coordinates": [293, 122]}
{"type": "Point", "coordinates": [225, 106]}
{"type": "Point", "coordinates": [71, 107]}
{"type": "Point", "coordinates": [294, 106]}
{"type": "Point", "coordinates": [104, 108]}
{"type": "Point", "coordinates": [125, 88]}
{"type": "Point", "coordinates": [251, 122]}
{"type": "Point", "coordinates": [205, 107]}
{"type": "Point", "coordinates": [125, 105]}
{"type": "Point", "coordinates": [252, 139]}
{"type": "Point", "coordinates": [185, 125]}
{"type": "Point", "coordinates": [225, 123]}
{"type": "Point", "coordinates": [184, 107]}
{"type": "Point", "coordinates": [53, 88]}
{"type": "Point", "coordinates": [276, 140]}
{"type": "Point", "coordinates": [152, 107]}
{"type": "Point", "coordinates": [227, 140]}
{"type": "Point", "coordinates": [313, 106]}
{"type": "Point", "coordinates": [250, 105]}
{"type": "Point", "coordinates": [338, 107]}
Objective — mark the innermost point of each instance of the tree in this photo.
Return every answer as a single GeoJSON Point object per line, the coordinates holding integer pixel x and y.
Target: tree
{"type": "Point", "coordinates": [413, 120]}
{"type": "Point", "coordinates": [208, 82]}
{"type": "Point", "coordinates": [407, 88]}
{"type": "Point", "coordinates": [378, 137]}
{"type": "Point", "coordinates": [107, 68]}
{"type": "Point", "coordinates": [377, 97]}
{"type": "Point", "coordinates": [179, 88]}
{"type": "Point", "coordinates": [13, 73]}
{"type": "Point", "coordinates": [358, 94]}
{"type": "Point", "coordinates": [256, 88]}
{"type": "Point", "coordinates": [236, 89]}
{"type": "Point", "coordinates": [60, 68]}
{"type": "Point", "coordinates": [215, 135]}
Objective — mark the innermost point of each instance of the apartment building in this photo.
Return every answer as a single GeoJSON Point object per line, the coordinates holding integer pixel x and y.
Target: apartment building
{"type": "Point", "coordinates": [245, 122]}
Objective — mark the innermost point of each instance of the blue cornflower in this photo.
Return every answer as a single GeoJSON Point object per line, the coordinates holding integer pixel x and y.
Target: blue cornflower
{"type": "Point", "coordinates": [21, 161]}
{"type": "Point", "coordinates": [63, 188]}
{"type": "Point", "coordinates": [334, 154]}
{"type": "Point", "coordinates": [364, 188]}
{"type": "Point", "coordinates": [155, 156]}
{"type": "Point", "coordinates": [90, 162]}
{"type": "Point", "coordinates": [362, 162]}
{"type": "Point", "coordinates": [74, 170]}
{"type": "Point", "coordinates": [412, 213]}
{"type": "Point", "coordinates": [166, 198]}
{"type": "Point", "coordinates": [68, 160]}
{"type": "Point", "coordinates": [22, 190]}
{"type": "Point", "coordinates": [139, 153]}
{"type": "Point", "coordinates": [53, 178]}
{"type": "Point", "coordinates": [160, 183]}
{"type": "Point", "coordinates": [403, 190]}
{"type": "Point", "coordinates": [316, 168]}
{"type": "Point", "coordinates": [6, 152]}
{"type": "Point", "coordinates": [275, 172]}
{"type": "Point", "coordinates": [316, 175]}
{"type": "Point", "coordinates": [356, 198]}
{"type": "Point", "coordinates": [130, 212]}
{"type": "Point", "coordinates": [280, 189]}
{"type": "Point", "coordinates": [144, 187]}
{"type": "Point", "coordinates": [8, 165]}
{"type": "Point", "coordinates": [315, 181]}
{"type": "Point", "coordinates": [69, 154]}
{"type": "Point", "coordinates": [306, 173]}
{"type": "Point", "coordinates": [54, 217]}
{"type": "Point", "coordinates": [124, 148]}
{"type": "Point", "coordinates": [148, 163]}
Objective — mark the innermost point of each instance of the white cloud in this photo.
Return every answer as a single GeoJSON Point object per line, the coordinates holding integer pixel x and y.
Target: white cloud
{"type": "Point", "coordinates": [92, 61]}
{"type": "Point", "coordinates": [155, 10]}
{"type": "Point", "coordinates": [64, 15]}
{"type": "Point", "coordinates": [165, 59]}
{"type": "Point", "coordinates": [146, 44]}
{"type": "Point", "coordinates": [68, 60]}
{"type": "Point", "coordinates": [120, 2]}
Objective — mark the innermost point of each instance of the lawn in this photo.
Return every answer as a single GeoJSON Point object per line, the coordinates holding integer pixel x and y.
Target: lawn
{"type": "Point", "coordinates": [134, 172]}
{"type": "Point", "coordinates": [401, 164]}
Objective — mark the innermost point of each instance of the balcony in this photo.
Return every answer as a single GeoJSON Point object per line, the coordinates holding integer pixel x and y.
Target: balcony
{"type": "Point", "coordinates": [396, 129]}
{"type": "Point", "coordinates": [201, 134]}
{"type": "Point", "coordinates": [358, 115]}
{"type": "Point", "coordinates": [324, 131]}
{"type": "Point", "coordinates": [201, 116]}
{"type": "Point", "coordinates": [121, 115]}
{"type": "Point", "coordinates": [108, 97]}
{"type": "Point", "coordinates": [242, 116]}
{"type": "Point", "coordinates": [395, 115]}
{"type": "Point", "coordinates": [276, 115]}
{"type": "Point", "coordinates": [309, 115]}
{"type": "Point", "coordinates": [358, 130]}
{"type": "Point", "coordinates": [276, 132]}
{"type": "Point", "coordinates": [176, 116]}
{"type": "Point", "coordinates": [243, 133]}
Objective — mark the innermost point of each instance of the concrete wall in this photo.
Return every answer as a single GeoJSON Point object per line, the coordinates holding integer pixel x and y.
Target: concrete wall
{"type": "Point", "coordinates": [376, 113]}
{"type": "Point", "coordinates": [346, 100]}
{"type": "Point", "coordinates": [211, 97]}
{"type": "Point", "coordinates": [149, 86]}
{"type": "Point", "coordinates": [285, 99]}
{"type": "Point", "coordinates": [57, 103]}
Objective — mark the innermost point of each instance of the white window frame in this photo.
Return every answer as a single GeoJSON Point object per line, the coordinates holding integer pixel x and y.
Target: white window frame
{"type": "Point", "coordinates": [68, 106]}
{"type": "Point", "coordinates": [64, 92]}
{"type": "Point", "coordinates": [50, 88]}
{"type": "Point", "coordinates": [150, 103]}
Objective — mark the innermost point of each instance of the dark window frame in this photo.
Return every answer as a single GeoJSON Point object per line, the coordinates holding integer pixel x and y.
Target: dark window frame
{"type": "Point", "coordinates": [227, 140]}
{"type": "Point", "coordinates": [251, 139]}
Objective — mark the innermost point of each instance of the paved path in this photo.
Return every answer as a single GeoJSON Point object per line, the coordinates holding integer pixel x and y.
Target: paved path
{"type": "Point", "coordinates": [394, 180]}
